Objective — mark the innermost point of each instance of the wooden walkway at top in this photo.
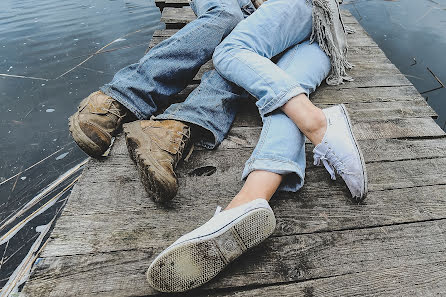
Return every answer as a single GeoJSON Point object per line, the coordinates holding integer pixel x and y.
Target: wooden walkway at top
{"type": "Point", "coordinates": [394, 244]}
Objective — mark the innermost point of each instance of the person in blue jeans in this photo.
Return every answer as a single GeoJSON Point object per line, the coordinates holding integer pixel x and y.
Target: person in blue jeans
{"type": "Point", "coordinates": [268, 57]}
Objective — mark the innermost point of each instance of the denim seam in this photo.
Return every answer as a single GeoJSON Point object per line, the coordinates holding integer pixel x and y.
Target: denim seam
{"type": "Point", "coordinates": [262, 140]}
{"type": "Point", "coordinates": [247, 171]}
{"type": "Point", "coordinates": [279, 98]}
{"type": "Point", "coordinates": [294, 52]}
{"type": "Point", "coordinates": [276, 160]}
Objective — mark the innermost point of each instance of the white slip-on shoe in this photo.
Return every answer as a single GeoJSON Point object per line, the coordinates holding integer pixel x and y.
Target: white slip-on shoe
{"type": "Point", "coordinates": [200, 255]}
{"type": "Point", "coordinates": [339, 152]}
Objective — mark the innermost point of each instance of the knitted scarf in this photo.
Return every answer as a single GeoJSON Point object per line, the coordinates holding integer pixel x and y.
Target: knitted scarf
{"type": "Point", "coordinates": [329, 31]}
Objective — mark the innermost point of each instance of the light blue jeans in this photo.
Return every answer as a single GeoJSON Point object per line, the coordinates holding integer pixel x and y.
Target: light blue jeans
{"type": "Point", "coordinates": [245, 58]}
{"type": "Point", "coordinates": [170, 66]}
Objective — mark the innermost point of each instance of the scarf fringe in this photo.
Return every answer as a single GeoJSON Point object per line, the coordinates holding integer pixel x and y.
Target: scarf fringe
{"type": "Point", "coordinates": [322, 33]}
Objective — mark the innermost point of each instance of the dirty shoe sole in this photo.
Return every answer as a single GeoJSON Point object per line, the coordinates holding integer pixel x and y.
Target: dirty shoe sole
{"type": "Point", "coordinates": [364, 172]}
{"type": "Point", "coordinates": [148, 167]}
{"type": "Point", "coordinates": [82, 140]}
{"type": "Point", "coordinates": [192, 263]}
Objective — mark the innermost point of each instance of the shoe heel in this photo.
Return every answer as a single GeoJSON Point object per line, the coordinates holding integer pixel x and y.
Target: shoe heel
{"type": "Point", "coordinates": [256, 227]}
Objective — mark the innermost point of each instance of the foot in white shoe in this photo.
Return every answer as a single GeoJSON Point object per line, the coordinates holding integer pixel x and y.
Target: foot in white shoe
{"type": "Point", "coordinates": [340, 153]}
{"type": "Point", "coordinates": [200, 255]}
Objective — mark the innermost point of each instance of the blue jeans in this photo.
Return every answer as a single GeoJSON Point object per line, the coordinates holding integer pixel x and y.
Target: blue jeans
{"type": "Point", "coordinates": [213, 104]}
{"type": "Point", "coordinates": [169, 67]}
{"type": "Point", "coordinates": [245, 58]}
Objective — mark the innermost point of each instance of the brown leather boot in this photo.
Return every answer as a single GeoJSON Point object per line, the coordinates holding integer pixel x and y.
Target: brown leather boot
{"type": "Point", "coordinates": [98, 118]}
{"type": "Point", "coordinates": [156, 147]}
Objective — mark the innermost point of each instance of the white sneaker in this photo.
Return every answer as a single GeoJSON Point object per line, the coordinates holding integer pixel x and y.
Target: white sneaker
{"type": "Point", "coordinates": [339, 151]}
{"type": "Point", "coordinates": [200, 255]}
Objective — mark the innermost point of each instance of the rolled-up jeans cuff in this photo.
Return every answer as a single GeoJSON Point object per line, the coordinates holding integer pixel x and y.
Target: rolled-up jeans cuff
{"type": "Point", "coordinates": [283, 98]}
{"type": "Point", "coordinates": [206, 143]}
{"type": "Point", "coordinates": [132, 108]}
{"type": "Point", "coordinates": [293, 175]}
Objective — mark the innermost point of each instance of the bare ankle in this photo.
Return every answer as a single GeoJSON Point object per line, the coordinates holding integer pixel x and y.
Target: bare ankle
{"type": "Point", "coordinates": [238, 200]}
{"type": "Point", "coordinates": [316, 130]}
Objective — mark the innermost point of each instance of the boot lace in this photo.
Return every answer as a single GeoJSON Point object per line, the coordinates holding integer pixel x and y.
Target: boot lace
{"type": "Point", "coordinates": [114, 109]}
{"type": "Point", "coordinates": [181, 141]}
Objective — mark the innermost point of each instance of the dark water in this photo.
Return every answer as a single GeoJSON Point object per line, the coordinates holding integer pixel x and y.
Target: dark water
{"type": "Point", "coordinates": [412, 33]}
{"type": "Point", "coordinates": [44, 39]}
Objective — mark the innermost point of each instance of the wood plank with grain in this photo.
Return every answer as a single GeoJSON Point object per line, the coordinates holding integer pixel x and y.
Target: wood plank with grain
{"type": "Point", "coordinates": [278, 260]}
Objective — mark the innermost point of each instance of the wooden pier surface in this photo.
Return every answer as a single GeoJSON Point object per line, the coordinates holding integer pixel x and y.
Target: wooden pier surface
{"type": "Point", "coordinates": [394, 244]}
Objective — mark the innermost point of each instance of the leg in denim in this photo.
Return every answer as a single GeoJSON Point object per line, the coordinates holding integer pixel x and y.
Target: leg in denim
{"type": "Point", "coordinates": [212, 106]}
{"type": "Point", "coordinates": [167, 68]}
{"type": "Point", "coordinates": [281, 147]}
{"type": "Point", "coordinates": [244, 57]}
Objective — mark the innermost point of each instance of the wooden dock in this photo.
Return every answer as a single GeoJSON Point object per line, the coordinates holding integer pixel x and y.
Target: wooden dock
{"type": "Point", "coordinates": [394, 244]}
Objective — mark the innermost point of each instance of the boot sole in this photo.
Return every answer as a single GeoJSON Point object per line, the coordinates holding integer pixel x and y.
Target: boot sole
{"type": "Point", "coordinates": [364, 172]}
{"type": "Point", "coordinates": [147, 167]}
{"type": "Point", "coordinates": [193, 263]}
{"type": "Point", "coordinates": [83, 141]}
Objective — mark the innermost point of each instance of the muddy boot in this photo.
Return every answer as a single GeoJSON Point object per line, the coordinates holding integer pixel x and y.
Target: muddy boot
{"type": "Point", "coordinates": [98, 118]}
{"type": "Point", "coordinates": [156, 147]}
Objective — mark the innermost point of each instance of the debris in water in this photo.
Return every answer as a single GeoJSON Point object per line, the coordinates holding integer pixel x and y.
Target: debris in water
{"type": "Point", "coordinates": [62, 156]}
{"type": "Point", "coordinates": [119, 39]}
{"type": "Point", "coordinates": [438, 80]}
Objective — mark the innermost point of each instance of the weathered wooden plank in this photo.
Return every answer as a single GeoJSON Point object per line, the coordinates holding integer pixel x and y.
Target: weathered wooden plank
{"type": "Point", "coordinates": [413, 280]}
{"type": "Point", "coordinates": [397, 128]}
{"type": "Point", "coordinates": [278, 260]}
{"type": "Point", "coordinates": [180, 16]}
{"type": "Point", "coordinates": [388, 110]}
{"type": "Point", "coordinates": [363, 95]}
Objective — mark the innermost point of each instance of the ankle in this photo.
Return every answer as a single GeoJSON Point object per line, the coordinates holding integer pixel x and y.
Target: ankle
{"type": "Point", "coordinates": [240, 199]}
{"type": "Point", "coordinates": [315, 130]}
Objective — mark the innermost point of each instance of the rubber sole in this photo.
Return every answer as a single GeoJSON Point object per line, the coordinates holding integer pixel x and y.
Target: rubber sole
{"type": "Point", "coordinates": [83, 141]}
{"type": "Point", "coordinates": [364, 171]}
{"type": "Point", "coordinates": [148, 169]}
{"type": "Point", "coordinates": [193, 263]}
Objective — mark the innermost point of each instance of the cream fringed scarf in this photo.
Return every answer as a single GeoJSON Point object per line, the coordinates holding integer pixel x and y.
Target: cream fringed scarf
{"type": "Point", "coordinates": [329, 32]}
